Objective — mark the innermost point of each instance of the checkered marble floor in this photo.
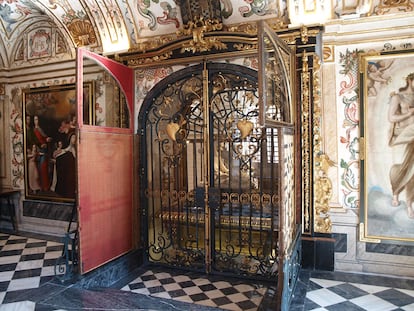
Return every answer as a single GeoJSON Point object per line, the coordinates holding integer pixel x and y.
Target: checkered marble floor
{"type": "Point", "coordinates": [27, 283]}
{"type": "Point", "coordinates": [198, 289]}
{"type": "Point", "coordinates": [336, 295]}
{"type": "Point", "coordinates": [26, 263]}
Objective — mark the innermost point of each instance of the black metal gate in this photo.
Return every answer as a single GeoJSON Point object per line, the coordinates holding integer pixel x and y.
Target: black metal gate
{"type": "Point", "coordinates": [209, 178]}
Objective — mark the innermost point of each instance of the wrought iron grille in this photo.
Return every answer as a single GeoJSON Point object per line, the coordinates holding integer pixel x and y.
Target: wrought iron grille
{"type": "Point", "coordinates": [211, 174]}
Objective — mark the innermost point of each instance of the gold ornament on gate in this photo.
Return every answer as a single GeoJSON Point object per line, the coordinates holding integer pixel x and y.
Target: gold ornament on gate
{"type": "Point", "coordinates": [173, 128]}
{"type": "Point", "coordinates": [245, 127]}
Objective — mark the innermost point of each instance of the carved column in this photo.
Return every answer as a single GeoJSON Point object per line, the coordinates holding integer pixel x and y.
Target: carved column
{"type": "Point", "coordinates": [316, 185]}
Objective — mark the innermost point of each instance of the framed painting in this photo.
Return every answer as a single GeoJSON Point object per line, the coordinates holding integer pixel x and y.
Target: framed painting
{"type": "Point", "coordinates": [387, 147]}
{"type": "Point", "coordinates": [50, 127]}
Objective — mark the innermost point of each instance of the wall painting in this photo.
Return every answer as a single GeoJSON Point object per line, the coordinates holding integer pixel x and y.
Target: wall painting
{"type": "Point", "coordinates": [387, 149]}
{"type": "Point", "coordinates": [50, 141]}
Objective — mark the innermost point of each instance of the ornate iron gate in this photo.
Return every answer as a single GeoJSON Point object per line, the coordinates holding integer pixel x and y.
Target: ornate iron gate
{"type": "Point", "coordinates": [210, 173]}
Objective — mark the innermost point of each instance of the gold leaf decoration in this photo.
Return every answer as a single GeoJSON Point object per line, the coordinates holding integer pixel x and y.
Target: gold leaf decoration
{"type": "Point", "coordinates": [82, 32]}
{"type": "Point", "coordinates": [245, 127]}
{"type": "Point", "coordinates": [172, 129]}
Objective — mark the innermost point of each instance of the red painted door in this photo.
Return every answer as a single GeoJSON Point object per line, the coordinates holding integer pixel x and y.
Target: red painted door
{"type": "Point", "coordinates": [104, 159]}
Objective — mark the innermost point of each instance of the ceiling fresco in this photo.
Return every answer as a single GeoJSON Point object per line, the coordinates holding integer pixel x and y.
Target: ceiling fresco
{"type": "Point", "coordinates": [110, 26]}
{"type": "Point", "coordinates": [116, 24]}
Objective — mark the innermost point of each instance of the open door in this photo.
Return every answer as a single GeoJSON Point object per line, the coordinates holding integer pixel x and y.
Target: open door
{"type": "Point", "coordinates": [278, 115]}
{"type": "Point", "coordinates": [104, 160]}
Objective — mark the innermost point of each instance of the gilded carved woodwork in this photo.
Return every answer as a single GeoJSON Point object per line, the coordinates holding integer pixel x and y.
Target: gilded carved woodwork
{"type": "Point", "coordinates": [209, 39]}
{"type": "Point", "coordinates": [306, 160]}
{"type": "Point", "coordinates": [322, 184]}
{"type": "Point", "coordinates": [248, 28]}
{"type": "Point", "coordinates": [322, 194]}
{"type": "Point", "coordinates": [200, 43]}
{"type": "Point", "coordinates": [388, 6]}
{"type": "Point", "coordinates": [82, 32]}
{"type": "Point", "coordinates": [200, 38]}
{"type": "Point", "coordinates": [245, 47]}
{"type": "Point", "coordinates": [304, 34]}
{"type": "Point", "coordinates": [317, 187]}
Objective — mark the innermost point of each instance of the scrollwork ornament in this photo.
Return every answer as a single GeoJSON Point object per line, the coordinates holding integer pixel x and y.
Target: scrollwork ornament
{"type": "Point", "coordinates": [304, 34]}
{"type": "Point", "coordinates": [149, 60]}
{"type": "Point", "coordinates": [305, 86]}
{"type": "Point", "coordinates": [323, 193]}
{"type": "Point", "coordinates": [387, 6]}
{"type": "Point", "coordinates": [245, 47]}
{"type": "Point", "coordinates": [323, 224]}
{"type": "Point", "coordinates": [322, 163]}
{"type": "Point", "coordinates": [200, 43]}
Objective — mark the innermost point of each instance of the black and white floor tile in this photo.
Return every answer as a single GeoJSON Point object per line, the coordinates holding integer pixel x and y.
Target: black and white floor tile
{"type": "Point", "coordinates": [337, 295]}
{"type": "Point", "coordinates": [347, 291]}
{"type": "Point", "coordinates": [26, 263]}
{"type": "Point", "coordinates": [198, 289]}
{"type": "Point", "coordinates": [28, 282]}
